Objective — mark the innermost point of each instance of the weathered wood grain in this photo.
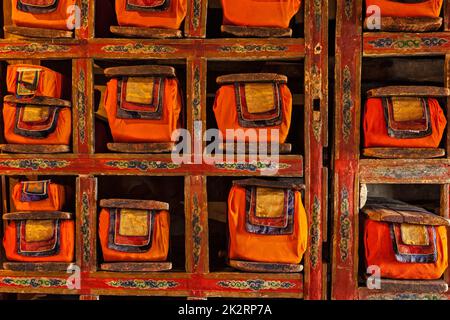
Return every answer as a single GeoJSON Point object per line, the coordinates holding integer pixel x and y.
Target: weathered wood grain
{"type": "Point", "coordinates": [144, 70]}
{"type": "Point", "coordinates": [38, 32]}
{"type": "Point", "coordinates": [37, 215]}
{"type": "Point", "coordinates": [136, 266]}
{"type": "Point", "coordinates": [34, 149]}
{"type": "Point", "coordinates": [251, 77]}
{"type": "Point", "coordinates": [415, 91]}
{"type": "Point", "coordinates": [403, 216]}
{"type": "Point", "coordinates": [257, 32]}
{"type": "Point", "coordinates": [134, 204]}
{"type": "Point", "coordinates": [163, 147]}
{"type": "Point", "coordinates": [416, 286]}
{"type": "Point", "coordinates": [249, 148]}
{"type": "Point", "coordinates": [36, 266]}
{"type": "Point", "coordinates": [404, 153]}
{"type": "Point", "coordinates": [250, 266]}
{"type": "Point", "coordinates": [280, 184]}
{"type": "Point", "coordinates": [408, 24]}
{"type": "Point", "coordinates": [38, 101]}
{"type": "Point", "coordinates": [155, 33]}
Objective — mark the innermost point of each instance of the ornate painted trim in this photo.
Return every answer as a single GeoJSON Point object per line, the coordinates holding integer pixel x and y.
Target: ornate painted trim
{"type": "Point", "coordinates": [417, 172]}
{"type": "Point", "coordinates": [196, 13]}
{"type": "Point", "coordinates": [138, 48]}
{"type": "Point", "coordinates": [32, 48]}
{"type": "Point", "coordinates": [143, 284]}
{"type": "Point", "coordinates": [347, 104]}
{"type": "Point", "coordinates": [85, 230]}
{"type": "Point", "coordinates": [407, 296]}
{"type": "Point", "coordinates": [317, 13]}
{"type": "Point", "coordinates": [196, 96]}
{"type": "Point", "coordinates": [408, 42]}
{"type": "Point", "coordinates": [348, 9]}
{"type": "Point", "coordinates": [35, 164]}
{"type": "Point", "coordinates": [34, 282]}
{"type": "Point", "coordinates": [141, 165]}
{"type": "Point", "coordinates": [243, 166]}
{"type": "Point", "coordinates": [84, 13]}
{"type": "Point", "coordinates": [196, 231]}
{"type": "Point", "coordinates": [314, 231]}
{"type": "Point", "coordinates": [81, 107]}
{"type": "Point", "coordinates": [252, 48]}
{"type": "Point", "coordinates": [345, 225]}
{"type": "Point", "coordinates": [256, 285]}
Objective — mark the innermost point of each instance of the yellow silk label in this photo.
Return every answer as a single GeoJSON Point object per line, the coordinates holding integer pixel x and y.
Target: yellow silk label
{"type": "Point", "coordinates": [35, 114]}
{"type": "Point", "coordinates": [407, 109]}
{"type": "Point", "coordinates": [39, 230]}
{"type": "Point", "coordinates": [36, 187]}
{"type": "Point", "coordinates": [414, 235]}
{"type": "Point", "coordinates": [259, 97]}
{"type": "Point", "coordinates": [140, 90]}
{"type": "Point", "coordinates": [269, 202]}
{"type": "Point", "coordinates": [29, 77]}
{"type": "Point", "coordinates": [133, 223]}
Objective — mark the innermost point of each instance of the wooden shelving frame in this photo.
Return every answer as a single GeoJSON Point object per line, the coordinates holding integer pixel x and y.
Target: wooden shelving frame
{"type": "Point", "coordinates": [352, 44]}
{"type": "Point", "coordinates": [196, 282]}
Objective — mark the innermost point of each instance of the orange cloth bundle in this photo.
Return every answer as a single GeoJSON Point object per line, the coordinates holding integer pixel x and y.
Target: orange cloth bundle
{"type": "Point", "coordinates": [405, 250]}
{"type": "Point", "coordinates": [259, 13]}
{"type": "Point", "coordinates": [30, 122]}
{"type": "Point", "coordinates": [130, 233]}
{"type": "Point", "coordinates": [253, 102]}
{"type": "Point", "coordinates": [267, 222]}
{"type": "Point", "coordinates": [167, 14]}
{"type": "Point", "coordinates": [403, 122]}
{"type": "Point", "coordinates": [28, 81]}
{"type": "Point", "coordinates": [407, 8]}
{"type": "Point", "coordinates": [38, 196]}
{"type": "Point", "coordinates": [36, 240]}
{"type": "Point", "coordinates": [48, 14]}
{"type": "Point", "coordinates": [143, 108]}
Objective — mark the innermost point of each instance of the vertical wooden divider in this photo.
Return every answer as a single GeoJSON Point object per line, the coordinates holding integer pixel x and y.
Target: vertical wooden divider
{"type": "Point", "coordinates": [195, 23]}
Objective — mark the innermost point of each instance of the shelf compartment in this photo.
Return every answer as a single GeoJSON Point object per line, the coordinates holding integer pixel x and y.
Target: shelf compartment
{"type": "Point", "coordinates": [403, 153]}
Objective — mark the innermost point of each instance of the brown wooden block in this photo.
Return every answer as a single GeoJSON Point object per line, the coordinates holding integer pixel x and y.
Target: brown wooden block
{"type": "Point", "coordinates": [136, 266]}
{"type": "Point", "coordinates": [256, 32]}
{"type": "Point", "coordinates": [296, 184]}
{"type": "Point", "coordinates": [409, 91]}
{"type": "Point", "coordinates": [144, 70]}
{"type": "Point", "coordinates": [407, 24]}
{"type": "Point", "coordinates": [134, 204]}
{"type": "Point", "coordinates": [155, 33]}
{"type": "Point", "coordinates": [404, 153]}
{"type": "Point", "coordinates": [37, 215]}
{"type": "Point", "coordinates": [251, 77]}
{"type": "Point", "coordinates": [251, 266]}
{"type": "Point", "coordinates": [165, 147]}
{"type": "Point", "coordinates": [31, 148]}
{"type": "Point", "coordinates": [284, 148]}
{"type": "Point", "coordinates": [417, 286]}
{"type": "Point", "coordinates": [39, 101]}
{"type": "Point", "coordinates": [38, 32]}
{"type": "Point", "coordinates": [36, 266]}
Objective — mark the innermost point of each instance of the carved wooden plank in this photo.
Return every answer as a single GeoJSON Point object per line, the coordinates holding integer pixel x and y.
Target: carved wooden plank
{"type": "Point", "coordinates": [404, 153]}
{"type": "Point", "coordinates": [36, 266]}
{"type": "Point", "coordinates": [136, 266]}
{"type": "Point", "coordinates": [251, 77]}
{"type": "Point", "coordinates": [144, 70]}
{"type": "Point", "coordinates": [38, 101]}
{"type": "Point", "coordinates": [134, 204]}
{"type": "Point", "coordinates": [415, 91]}
{"type": "Point", "coordinates": [295, 184]}
{"type": "Point", "coordinates": [408, 24]}
{"type": "Point", "coordinates": [249, 148]}
{"type": "Point", "coordinates": [38, 32]}
{"type": "Point", "coordinates": [37, 215]}
{"type": "Point", "coordinates": [163, 147]}
{"type": "Point", "coordinates": [257, 32]}
{"type": "Point", "coordinates": [155, 33]}
{"type": "Point", "coordinates": [33, 149]}
{"type": "Point", "coordinates": [417, 286]}
{"type": "Point", "coordinates": [250, 266]}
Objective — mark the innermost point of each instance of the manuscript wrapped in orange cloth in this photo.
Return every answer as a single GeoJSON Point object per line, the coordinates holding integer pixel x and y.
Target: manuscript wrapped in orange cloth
{"type": "Point", "coordinates": [48, 14]}
{"type": "Point", "coordinates": [403, 122]}
{"type": "Point", "coordinates": [406, 242]}
{"type": "Point", "coordinates": [39, 240]}
{"type": "Point", "coordinates": [27, 81]}
{"type": "Point", "coordinates": [259, 13]}
{"type": "Point", "coordinates": [143, 109]}
{"type": "Point", "coordinates": [407, 8]}
{"type": "Point", "coordinates": [38, 196]}
{"type": "Point", "coordinates": [129, 234]}
{"type": "Point", "coordinates": [255, 107]}
{"type": "Point", "coordinates": [266, 224]}
{"type": "Point", "coordinates": [29, 123]}
{"type": "Point", "coordinates": [167, 14]}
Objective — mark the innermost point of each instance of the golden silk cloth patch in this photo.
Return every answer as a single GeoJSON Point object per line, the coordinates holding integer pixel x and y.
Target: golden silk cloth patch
{"type": "Point", "coordinates": [35, 187]}
{"type": "Point", "coordinates": [133, 223]}
{"type": "Point", "coordinates": [407, 109]}
{"type": "Point", "coordinates": [140, 90]}
{"type": "Point", "coordinates": [269, 202]}
{"type": "Point", "coordinates": [414, 235]}
{"type": "Point", "coordinates": [39, 230]}
{"type": "Point", "coordinates": [35, 114]}
{"type": "Point", "coordinates": [260, 97]}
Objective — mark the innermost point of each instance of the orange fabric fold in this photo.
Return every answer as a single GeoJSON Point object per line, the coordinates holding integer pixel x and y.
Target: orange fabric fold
{"type": "Point", "coordinates": [55, 201]}
{"type": "Point", "coordinates": [430, 8]}
{"type": "Point", "coordinates": [264, 248]}
{"type": "Point", "coordinates": [376, 133]}
{"type": "Point", "coordinates": [259, 13]}
{"type": "Point", "coordinates": [170, 18]}
{"type": "Point", "coordinates": [160, 240]}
